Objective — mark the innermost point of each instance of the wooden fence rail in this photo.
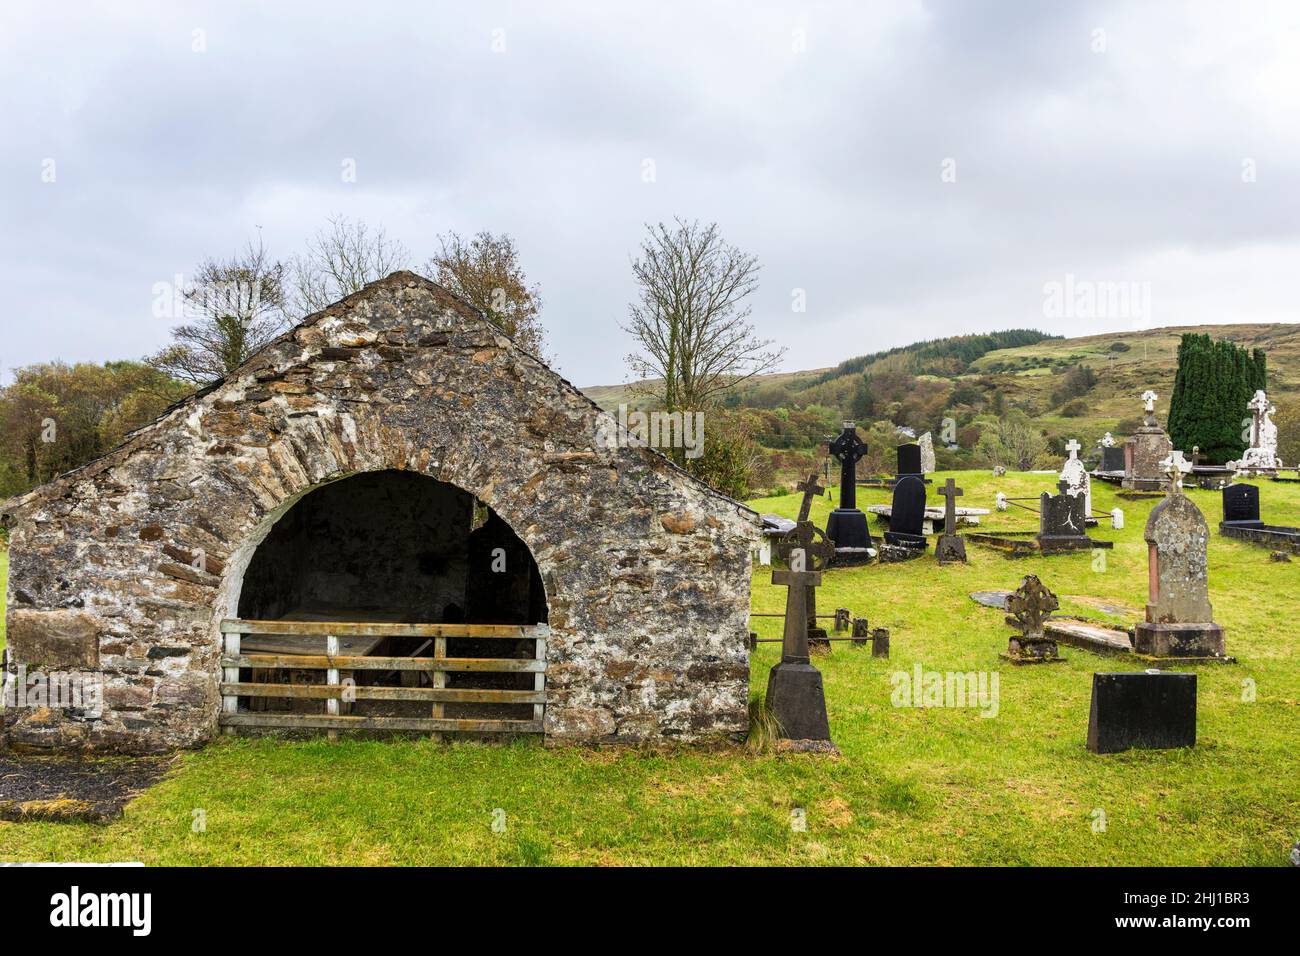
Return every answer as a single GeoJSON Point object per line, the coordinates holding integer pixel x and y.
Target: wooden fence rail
{"type": "Point", "coordinates": [337, 689]}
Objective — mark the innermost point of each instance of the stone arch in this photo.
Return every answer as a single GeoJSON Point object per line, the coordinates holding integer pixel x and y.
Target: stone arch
{"type": "Point", "coordinates": [232, 600]}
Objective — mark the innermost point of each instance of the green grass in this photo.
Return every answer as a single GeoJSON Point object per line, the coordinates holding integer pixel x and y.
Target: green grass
{"type": "Point", "coordinates": [924, 786]}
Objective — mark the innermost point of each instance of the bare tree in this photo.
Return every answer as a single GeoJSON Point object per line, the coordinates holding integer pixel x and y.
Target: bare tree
{"type": "Point", "coordinates": [341, 259]}
{"type": "Point", "coordinates": [690, 319]}
{"type": "Point", "coordinates": [235, 305]}
{"type": "Point", "coordinates": [485, 271]}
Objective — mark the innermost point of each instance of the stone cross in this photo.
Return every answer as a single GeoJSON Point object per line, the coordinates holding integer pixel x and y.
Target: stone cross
{"type": "Point", "coordinates": [1175, 466]}
{"type": "Point", "coordinates": [810, 489]}
{"type": "Point", "coordinates": [802, 545]}
{"type": "Point", "coordinates": [1150, 398]}
{"type": "Point", "coordinates": [1073, 446]}
{"type": "Point", "coordinates": [951, 546]}
{"type": "Point", "coordinates": [951, 493]}
{"type": "Point", "coordinates": [794, 644]}
{"type": "Point", "coordinates": [1032, 604]}
{"type": "Point", "coordinates": [848, 449]}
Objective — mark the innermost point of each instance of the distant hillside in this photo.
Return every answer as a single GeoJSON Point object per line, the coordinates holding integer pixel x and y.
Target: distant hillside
{"type": "Point", "coordinates": [975, 379]}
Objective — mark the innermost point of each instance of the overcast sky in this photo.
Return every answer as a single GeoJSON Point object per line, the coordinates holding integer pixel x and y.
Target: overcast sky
{"type": "Point", "coordinates": [918, 169]}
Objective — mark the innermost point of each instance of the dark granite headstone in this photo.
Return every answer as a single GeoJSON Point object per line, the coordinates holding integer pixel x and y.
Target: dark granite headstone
{"type": "Point", "coordinates": [907, 516]}
{"type": "Point", "coordinates": [1112, 459]}
{"type": "Point", "coordinates": [909, 459]}
{"type": "Point", "coordinates": [1153, 710]}
{"type": "Point", "coordinates": [1241, 506]}
{"type": "Point", "coordinates": [1062, 522]}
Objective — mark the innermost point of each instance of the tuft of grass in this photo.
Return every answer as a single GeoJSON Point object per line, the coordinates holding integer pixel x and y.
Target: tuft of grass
{"type": "Point", "coordinates": [764, 728]}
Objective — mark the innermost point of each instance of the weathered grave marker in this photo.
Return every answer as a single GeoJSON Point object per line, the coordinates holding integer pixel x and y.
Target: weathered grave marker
{"type": "Point", "coordinates": [1179, 619]}
{"type": "Point", "coordinates": [951, 546]}
{"type": "Point", "coordinates": [794, 687]}
{"type": "Point", "coordinates": [1030, 606]}
{"type": "Point", "coordinates": [1145, 450]}
{"type": "Point", "coordinates": [1061, 522]}
{"type": "Point", "coordinates": [808, 543]}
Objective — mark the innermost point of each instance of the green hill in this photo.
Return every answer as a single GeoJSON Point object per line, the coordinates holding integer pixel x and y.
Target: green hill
{"type": "Point", "coordinates": [973, 380]}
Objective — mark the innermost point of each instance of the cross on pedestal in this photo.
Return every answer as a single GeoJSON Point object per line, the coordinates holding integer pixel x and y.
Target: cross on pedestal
{"type": "Point", "coordinates": [1149, 397]}
{"type": "Point", "coordinates": [1073, 446]}
{"type": "Point", "coordinates": [794, 644]}
{"type": "Point", "coordinates": [810, 489]}
{"type": "Point", "coordinates": [951, 493]}
{"type": "Point", "coordinates": [1175, 466]}
{"type": "Point", "coordinates": [848, 450]}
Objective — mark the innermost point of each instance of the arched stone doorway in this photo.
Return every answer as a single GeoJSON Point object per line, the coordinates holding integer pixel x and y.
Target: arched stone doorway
{"type": "Point", "coordinates": [351, 562]}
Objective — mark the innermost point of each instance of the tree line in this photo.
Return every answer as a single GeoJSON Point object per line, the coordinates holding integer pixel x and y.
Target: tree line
{"type": "Point", "coordinates": [689, 324]}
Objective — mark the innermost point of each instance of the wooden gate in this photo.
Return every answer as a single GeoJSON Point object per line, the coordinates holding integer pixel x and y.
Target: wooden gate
{"type": "Point", "coordinates": [340, 650]}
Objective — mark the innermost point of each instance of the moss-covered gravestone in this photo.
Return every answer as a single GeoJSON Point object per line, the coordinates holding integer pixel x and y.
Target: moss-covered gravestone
{"type": "Point", "coordinates": [1179, 620]}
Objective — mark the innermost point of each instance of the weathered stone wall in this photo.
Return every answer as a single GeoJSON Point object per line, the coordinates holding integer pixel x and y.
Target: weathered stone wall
{"type": "Point", "coordinates": [646, 571]}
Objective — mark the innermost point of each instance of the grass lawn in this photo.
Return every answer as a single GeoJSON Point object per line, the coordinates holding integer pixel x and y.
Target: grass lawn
{"type": "Point", "coordinates": [925, 786]}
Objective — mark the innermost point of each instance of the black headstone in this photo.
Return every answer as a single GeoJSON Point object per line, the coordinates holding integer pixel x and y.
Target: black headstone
{"type": "Point", "coordinates": [907, 516]}
{"type": "Point", "coordinates": [1112, 459]}
{"type": "Point", "coordinates": [1241, 506]}
{"type": "Point", "coordinates": [1062, 516]}
{"type": "Point", "coordinates": [909, 459]}
{"type": "Point", "coordinates": [1149, 710]}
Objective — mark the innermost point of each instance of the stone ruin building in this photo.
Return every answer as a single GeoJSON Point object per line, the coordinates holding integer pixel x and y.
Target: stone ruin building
{"type": "Point", "coordinates": [390, 518]}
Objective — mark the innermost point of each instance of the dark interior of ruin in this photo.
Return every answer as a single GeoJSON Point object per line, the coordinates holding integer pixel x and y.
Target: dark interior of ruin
{"type": "Point", "coordinates": [398, 547]}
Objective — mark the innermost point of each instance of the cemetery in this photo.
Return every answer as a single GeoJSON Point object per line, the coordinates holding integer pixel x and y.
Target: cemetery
{"type": "Point", "coordinates": [886, 784]}
{"type": "Point", "coordinates": [288, 589]}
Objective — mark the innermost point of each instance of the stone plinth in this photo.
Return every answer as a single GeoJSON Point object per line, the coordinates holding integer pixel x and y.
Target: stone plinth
{"type": "Point", "coordinates": [1143, 453]}
{"type": "Point", "coordinates": [797, 700]}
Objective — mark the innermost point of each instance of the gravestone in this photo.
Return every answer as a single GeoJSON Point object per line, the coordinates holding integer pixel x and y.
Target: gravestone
{"type": "Point", "coordinates": [951, 546]}
{"type": "Point", "coordinates": [909, 459]}
{"type": "Point", "coordinates": [926, 444]}
{"type": "Point", "coordinates": [1112, 459]}
{"type": "Point", "coordinates": [1029, 606]}
{"type": "Point", "coordinates": [847, 526]}
{"type": "Point", "coordinates": [1261, 457]}
{"type": "Point", "coordinates": [1151, 710]}
{"type": "Point", "coordinates": [812, 544]}
{"type": "Point", "coordinates": [1061, 522]}
{"type": "Point", "coordinates": [1179, 620]}
{"type": "Point", "coordinates": [1145, 450]}
{"type": "Point", "coordinates": [1241, 506]}
{"type": "Point", "coordinates": [907, 516]}
{"type": "Point", "coordinates": [1076, 477]}
{"type": "Point", "coordinates": [795, 694]}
